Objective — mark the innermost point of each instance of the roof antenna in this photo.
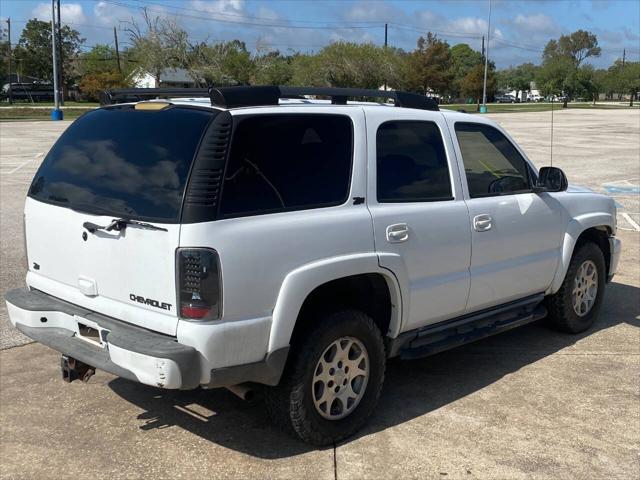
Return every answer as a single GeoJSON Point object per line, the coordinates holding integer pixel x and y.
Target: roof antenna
{"type": "Point", "coordinates": [551, 131]}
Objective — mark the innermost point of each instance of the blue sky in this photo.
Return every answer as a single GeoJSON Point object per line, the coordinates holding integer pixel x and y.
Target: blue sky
{"type": "Point", "coordinates": [519, 28]}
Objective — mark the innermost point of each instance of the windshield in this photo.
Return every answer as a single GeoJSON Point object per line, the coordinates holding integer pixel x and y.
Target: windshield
{"type": "Point", "coordinates": [123, 162]}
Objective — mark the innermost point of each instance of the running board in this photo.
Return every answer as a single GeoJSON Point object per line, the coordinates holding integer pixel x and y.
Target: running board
{"type": "Point", "coordinates": [459, 331]}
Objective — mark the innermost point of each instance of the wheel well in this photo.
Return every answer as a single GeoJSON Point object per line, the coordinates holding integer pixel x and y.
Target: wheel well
{"type": "Point", "coordinates": [599, 236]}
{"type": "Point", "coordinates": [368, 293]}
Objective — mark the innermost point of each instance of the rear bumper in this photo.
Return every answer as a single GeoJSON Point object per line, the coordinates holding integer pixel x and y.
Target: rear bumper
{"type": "Point", "coordinates": [127, 351]}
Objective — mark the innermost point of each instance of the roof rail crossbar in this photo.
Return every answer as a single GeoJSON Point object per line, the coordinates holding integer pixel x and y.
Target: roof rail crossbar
{"type": "Point", "coordinates": [340, 96]}
{"type": "Point", "coordinates": [245, 96]}
{"type": "Point", "coordinates": [124, 95]}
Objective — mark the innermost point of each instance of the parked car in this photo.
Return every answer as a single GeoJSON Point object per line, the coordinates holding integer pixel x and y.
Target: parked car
{"type": "Point", "coordinates": [259, 240]}
{"type": "Point", "coordinates": [535, 98]}
{"type": "Point", "coordinates": [505, 99]}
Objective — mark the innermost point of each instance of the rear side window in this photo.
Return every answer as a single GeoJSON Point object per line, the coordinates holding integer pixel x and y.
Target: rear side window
{"type": "Point", "coordinates": [123, 162]}
{"type": "Point", "coordinates": [287, 162]}
{"type": "Point", "coordinates": [411, 163]}
{"type": "Point", "coordinates": [492, 164]}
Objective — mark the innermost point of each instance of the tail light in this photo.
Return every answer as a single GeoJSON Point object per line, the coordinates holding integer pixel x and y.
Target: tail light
{"type": "Point", "coordinates": [199, 284]}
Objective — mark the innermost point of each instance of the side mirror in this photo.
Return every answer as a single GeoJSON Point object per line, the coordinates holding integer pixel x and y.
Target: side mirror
{"type": "Point", "coordinates": [551, 179]}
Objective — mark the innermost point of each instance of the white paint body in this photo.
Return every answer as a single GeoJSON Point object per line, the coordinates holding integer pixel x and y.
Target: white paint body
{"type": "Point", "coordinates": [270, 263]}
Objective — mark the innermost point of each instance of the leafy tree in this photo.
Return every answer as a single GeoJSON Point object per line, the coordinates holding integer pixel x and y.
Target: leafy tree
{"type": "Point", "coordinates": [101, 58]}
{"type": "Point", "coordinates": [346, 64]}
{"type": "Point", "coordinates": [34, 51]}
{"type": "Point", "coordinates": [305, 70]}
{"type": "Point", "coordinates": [577, 46]}
{"type": "Point", "coordinates": [158, 44]}
{"type": "Point", "coordinates": [624, 79]}
{"type": "Point", "coordinates": [4, 54]}
{"type": "Point", "coordinates": [463, 60]}
{"type": "Point", "coordinates": [429, 66]}
{"type": "Point", "coordinates": [272, 69]}
{"type": "Point", "coordinates": [223, 63]}
{"type": "Point", "coordinates": [517, 78]}
{"type": "Point", "coordinates": [93, 83]}
{"type": "Point", "coordinates": [561, 63]}
{"type": "Point", "coordinates": [472, 85]}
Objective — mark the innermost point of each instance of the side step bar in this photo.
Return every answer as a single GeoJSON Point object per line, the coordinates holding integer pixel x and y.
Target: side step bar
{"type": "Point", "coordinates": [459, 331]}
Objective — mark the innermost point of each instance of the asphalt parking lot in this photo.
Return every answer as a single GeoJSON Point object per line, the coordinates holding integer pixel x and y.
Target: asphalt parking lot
{"type": "Point", "coordinates": [531, 403]}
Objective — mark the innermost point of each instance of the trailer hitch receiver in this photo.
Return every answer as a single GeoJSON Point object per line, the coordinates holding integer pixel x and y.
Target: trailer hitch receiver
{"type": "Point", "coordinates": [73, 369]}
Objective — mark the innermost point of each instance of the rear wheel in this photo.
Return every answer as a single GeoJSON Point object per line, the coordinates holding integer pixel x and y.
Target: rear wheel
{"type": "Point", "coordinates": [333, 381]}
{"type": "Point", "coordinates": [576, 305]}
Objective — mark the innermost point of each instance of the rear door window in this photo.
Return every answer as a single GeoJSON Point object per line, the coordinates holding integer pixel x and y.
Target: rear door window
{"type": "Point", "coordinates": [411, 163]}
{"type": "Point", "coordinates": [123, 162]}
{"type": "Point", "coordinates": [287, 162]}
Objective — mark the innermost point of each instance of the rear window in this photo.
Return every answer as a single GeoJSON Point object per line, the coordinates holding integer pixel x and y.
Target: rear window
{"type": "Point", "coordinates": [123, 162]}
{"type": "Point", "coordinates": [287, 162]}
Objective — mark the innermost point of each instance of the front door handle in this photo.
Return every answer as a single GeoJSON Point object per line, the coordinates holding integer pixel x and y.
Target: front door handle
{"type": "Point", "coordinates": [482, 223]}
{"type": "Point", "coordinates": [397, 233]}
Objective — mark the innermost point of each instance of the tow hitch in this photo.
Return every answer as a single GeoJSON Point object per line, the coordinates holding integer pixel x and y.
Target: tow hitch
{"type": "Point", "coordinates": [73, 369]}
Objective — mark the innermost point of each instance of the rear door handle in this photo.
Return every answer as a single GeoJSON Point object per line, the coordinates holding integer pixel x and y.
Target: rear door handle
{"type": "Point", "coordinates": [398, 232]}
{"type": "Point", "coordinates": [482, 223]}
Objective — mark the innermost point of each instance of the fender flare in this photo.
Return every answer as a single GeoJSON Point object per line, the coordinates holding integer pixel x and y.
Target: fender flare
{"type": "Point", "coordinates": [299, 283]}
{"type": "Point", "coordinates": [576, 227]}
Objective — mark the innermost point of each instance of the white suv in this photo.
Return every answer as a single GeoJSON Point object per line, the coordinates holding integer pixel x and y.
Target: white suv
{"type": "Point", "coordinates": [251, 236]}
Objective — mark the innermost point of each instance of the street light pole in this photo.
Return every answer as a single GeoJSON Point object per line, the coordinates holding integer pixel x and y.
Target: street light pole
{"type": "Point", "coordinates": [486, 65]}
{"type": "Point", "coordinates": [56, 114]}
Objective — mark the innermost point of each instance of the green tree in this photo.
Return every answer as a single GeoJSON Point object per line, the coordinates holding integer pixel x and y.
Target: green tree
{"type": "Point", "coordinates": [562, 59]}
{"type": "Point", "coordinates": [624, 79]}
{"type": "Point", "coordinates": [429, 66]}
{"type": "Point", "coordinates": [577, 46]}
{"type": "Point", "coordinates": [305, 71]}
{"type": "Point", "coordinates": [272, 69]}
{"type": "Point", "coordinates": [472, 84]}
{"type": "Point", "coordinates": [223, 63]}
{"type": "Point", "coordinates": [157, 44]}
{"type": "Point", "coordinates": [347, 64]}
{"type": "Point", "coordinates": [101, 58]}
{"type": "Point", "coordinates": [4, 54]}
{"type": "Point", "coordinates": [34, 51]}
{"type": "Point", "coordinates": [463, 60]}
{"type": "Point", "coordinates": [93, 83]}
{"type": "Point", "coordinates": [517, 78]}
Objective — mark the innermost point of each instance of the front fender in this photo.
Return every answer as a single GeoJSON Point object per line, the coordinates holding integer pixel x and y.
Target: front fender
{"type": "Point", "coordinates": [575, 228]}
{"type": "Point", "coordinates": [299, 283]}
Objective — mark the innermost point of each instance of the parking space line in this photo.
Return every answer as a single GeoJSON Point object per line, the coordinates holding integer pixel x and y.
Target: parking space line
{"type": "Point", "coordinates": [24, 163]}
{"type": "Point", "coordinates": [631, 221]}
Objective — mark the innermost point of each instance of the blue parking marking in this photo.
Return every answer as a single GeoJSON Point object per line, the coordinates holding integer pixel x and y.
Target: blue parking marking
{"type": "Point", "coordinates": [623, 189]}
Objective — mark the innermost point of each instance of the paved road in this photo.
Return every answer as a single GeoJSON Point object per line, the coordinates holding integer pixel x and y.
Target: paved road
{"type": "Point", "coordinates": [530, 403]}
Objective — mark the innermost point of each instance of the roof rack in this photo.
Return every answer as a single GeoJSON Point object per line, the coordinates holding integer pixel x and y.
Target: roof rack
{"type": "Point", "coordinates": [126, 95]}
{"type": "Point", "coordinates": [234, 97]}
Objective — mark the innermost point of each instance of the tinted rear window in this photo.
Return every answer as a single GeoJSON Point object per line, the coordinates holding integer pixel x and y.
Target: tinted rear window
{"type": "Point", "coordinates": [123, 162]}
{"type": "Point", "coordinates": [287, 162]}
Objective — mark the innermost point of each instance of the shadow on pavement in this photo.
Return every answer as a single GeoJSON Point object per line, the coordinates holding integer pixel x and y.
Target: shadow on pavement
{"type": "Point", "coordinates": [419, 386]}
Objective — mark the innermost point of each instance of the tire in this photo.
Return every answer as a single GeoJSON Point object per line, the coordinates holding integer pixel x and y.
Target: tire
{"type": "Point", "coordinates": [292, 404]}
{"type": "Point", "coordinates": [563, 315]}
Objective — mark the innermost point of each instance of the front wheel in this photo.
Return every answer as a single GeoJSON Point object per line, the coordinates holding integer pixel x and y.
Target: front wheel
{"type": "Point", "coordinates": [575, 306]}
{"type": "Point", "coordinates": [333, 381]}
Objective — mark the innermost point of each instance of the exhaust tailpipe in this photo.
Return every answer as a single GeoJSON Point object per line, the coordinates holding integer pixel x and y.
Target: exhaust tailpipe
{"type": "Point", "coordinates": [242, 391]}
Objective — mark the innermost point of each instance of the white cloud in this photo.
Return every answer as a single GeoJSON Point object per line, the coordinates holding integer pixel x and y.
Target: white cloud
{"type": "Point", "coordinates": [69, 12]}
{"type": "Point", "coordinates": [539, 23]}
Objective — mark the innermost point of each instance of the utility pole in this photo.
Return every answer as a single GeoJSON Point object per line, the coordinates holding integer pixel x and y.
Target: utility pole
{"type": "Point", "coordinates": [624, 56]}
{"type": "Point", "coordinates": [10, 54]}
{"type": "Point", "coordinates": [115, 37]}
{"type": "Point", "coordinates": [486, 65]}
{"type": "Point", "coordinates": [56, 114]}
{"type": "Point", "coordinates": [60, 68]}
{"type": "Point", "coordinates": [482, 49]}
{"type": "Point", "coordinates": [386, 30]}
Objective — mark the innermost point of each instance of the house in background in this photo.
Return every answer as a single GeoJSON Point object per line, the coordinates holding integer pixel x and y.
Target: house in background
{"type": "Point", "coordinates": [171, 77]}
